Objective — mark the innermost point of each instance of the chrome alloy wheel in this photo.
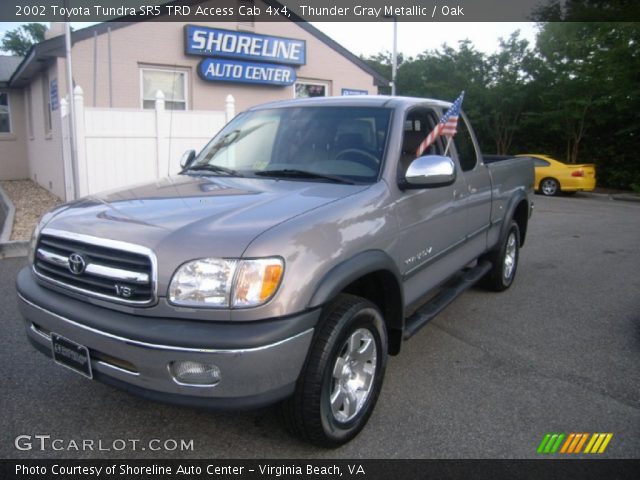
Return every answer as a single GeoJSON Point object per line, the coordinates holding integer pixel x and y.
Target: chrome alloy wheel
{"type": "Point", "coordinates": [549, 187]}
{"type": "Point", "coordinates": [509, 257]}
{"type": "Point", "coordinates": [353, 374]}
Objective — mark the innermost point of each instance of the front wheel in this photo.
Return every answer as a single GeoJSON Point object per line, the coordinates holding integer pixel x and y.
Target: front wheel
{"type": "Point", "coordinates": [341, 380]}
{"type": "Point", "coordinates": [504, 261]}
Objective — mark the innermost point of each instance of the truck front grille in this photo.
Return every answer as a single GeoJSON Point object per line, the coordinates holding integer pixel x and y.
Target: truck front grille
{"type": "Point", "coordinates": [106, 269]}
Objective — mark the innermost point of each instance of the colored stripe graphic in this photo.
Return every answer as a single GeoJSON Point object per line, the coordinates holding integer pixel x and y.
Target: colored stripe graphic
{"type": "Point", "coordinates": [604, 445]}
{"type": "Point", "coordinates": [565, 447]}
{"type": "Point", "coordinates": [543, 443]}
{"type": "Point", "coordinates": [556, 445]}
{"type": "Point", "coordinates": [598, 443]}
{"type": "Point", "coordinates": [583, 438]}
{"type": "Point", "coordinates": [553, 443]}
{"type": "Point", "coordinates": [550, 443]}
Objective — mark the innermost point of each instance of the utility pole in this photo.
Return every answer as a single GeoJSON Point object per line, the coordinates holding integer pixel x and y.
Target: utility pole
{"type": "Point", "coordinates": [394, 56]}
{"type": "Point", "coordinates": [72, 109]}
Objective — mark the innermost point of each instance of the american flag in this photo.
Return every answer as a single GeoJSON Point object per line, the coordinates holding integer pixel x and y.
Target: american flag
{"type": "Point", "coordinates": [446, 126]}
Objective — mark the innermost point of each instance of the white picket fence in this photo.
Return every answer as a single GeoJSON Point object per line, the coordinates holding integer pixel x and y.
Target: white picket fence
{"type": "Point", "coordinates": [119, 147]}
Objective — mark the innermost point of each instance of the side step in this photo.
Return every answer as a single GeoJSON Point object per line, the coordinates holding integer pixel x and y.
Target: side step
{"type": "Point", "coordinates": [433, 307]}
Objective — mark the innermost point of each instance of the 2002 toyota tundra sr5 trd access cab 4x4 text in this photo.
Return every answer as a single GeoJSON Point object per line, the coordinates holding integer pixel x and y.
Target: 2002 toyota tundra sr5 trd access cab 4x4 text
{"type": "Point", "coordinates": [284, 263]}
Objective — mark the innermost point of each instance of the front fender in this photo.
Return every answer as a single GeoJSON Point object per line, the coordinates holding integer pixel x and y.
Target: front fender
{"type": "Point", "coordinates": [345, 273]}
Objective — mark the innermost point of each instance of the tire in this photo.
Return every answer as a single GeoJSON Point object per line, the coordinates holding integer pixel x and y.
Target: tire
{"type": "Point", "coordinates": [348, 354]}
{"type": "Point", "coordinates": [549, 187]}
{"type": "Point", "coordinates": [504, 261]}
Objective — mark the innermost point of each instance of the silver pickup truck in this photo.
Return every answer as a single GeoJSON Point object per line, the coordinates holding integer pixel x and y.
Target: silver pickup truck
{"type": "Point", "coordinates": [284, 263]}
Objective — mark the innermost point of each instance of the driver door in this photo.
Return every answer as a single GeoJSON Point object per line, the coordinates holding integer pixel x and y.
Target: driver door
{"type": "Point", "coordinates": [431, 221]}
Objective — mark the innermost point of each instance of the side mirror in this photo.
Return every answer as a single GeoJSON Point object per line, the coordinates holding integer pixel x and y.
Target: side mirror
{"type": "Point", "coordinates": [430, 171]}
{"type": "Point", "coordinates": [187, 158]}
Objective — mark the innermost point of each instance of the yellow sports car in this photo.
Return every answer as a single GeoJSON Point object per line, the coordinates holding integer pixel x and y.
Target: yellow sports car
{"type": "Point", "coordinates": [554, 176]}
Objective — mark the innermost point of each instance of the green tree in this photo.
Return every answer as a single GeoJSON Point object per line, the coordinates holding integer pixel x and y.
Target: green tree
{"type": "Point", "coordinates": [382, 63]}
{"type": "Point", "coordinates": [444, 73]}
{"type": "Point", "coordinates": [591, 71]}
{"type": "Point", "coordinates": [573, 91]}
{"type": "Point", "coordinates": [19, 40]}
{"type": "Point", "coordinates": [586, 10]}
{"type": "Point", "coordinates": [509, 89]}
{"type": "Point", "coordinates": [573, 96]}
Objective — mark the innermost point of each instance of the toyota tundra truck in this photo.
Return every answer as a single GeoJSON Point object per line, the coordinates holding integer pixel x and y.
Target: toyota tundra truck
{"type": "Point", "coordinates": [283, 264]}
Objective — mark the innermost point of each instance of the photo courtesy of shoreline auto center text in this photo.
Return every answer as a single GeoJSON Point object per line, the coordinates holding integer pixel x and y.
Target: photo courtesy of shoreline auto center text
{"type": "Point", "coordinates": [365, 239]}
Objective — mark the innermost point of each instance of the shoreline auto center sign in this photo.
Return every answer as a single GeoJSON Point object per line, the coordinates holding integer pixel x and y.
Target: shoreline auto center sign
{"type": "Point", "coordinates": [244, 57]}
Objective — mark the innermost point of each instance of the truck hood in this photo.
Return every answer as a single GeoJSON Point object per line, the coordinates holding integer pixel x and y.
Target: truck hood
{"type": "Point", "coordinates": [185, 217]}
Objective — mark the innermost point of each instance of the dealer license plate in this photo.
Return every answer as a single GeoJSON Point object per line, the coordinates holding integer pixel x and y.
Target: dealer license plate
{"type": "Point", "coordinates": [71, 355]}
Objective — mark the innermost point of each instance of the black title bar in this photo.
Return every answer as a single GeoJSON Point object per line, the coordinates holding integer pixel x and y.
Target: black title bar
{"type": "Point", "coordinates": [320, 469]}
{"type": "Point", "coordinates": [318, 10]}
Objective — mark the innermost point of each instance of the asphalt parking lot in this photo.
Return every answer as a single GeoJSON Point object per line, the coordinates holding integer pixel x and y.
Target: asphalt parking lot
{"type": "Point", "coordinates": [558, 352]}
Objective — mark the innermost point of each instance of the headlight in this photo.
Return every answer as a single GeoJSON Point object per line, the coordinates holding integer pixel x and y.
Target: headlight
{"type": "Point", "coordinates": [205, 282]}
{"type": "Point", "coordinates": [217, 282]}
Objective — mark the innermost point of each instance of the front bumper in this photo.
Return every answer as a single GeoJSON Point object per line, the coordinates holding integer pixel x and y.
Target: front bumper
{"type": "Point", "coordinates": [133, 352]}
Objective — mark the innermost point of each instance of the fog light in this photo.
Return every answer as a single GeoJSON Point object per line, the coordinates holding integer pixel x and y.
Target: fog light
{"type": "Point", "coordinates": [195, 373]}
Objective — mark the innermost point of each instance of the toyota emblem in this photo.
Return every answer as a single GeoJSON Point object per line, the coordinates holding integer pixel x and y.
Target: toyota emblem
{"type": "Point", "coordinates": [76, 263]}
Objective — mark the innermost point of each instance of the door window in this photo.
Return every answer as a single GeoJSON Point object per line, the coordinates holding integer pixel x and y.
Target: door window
{"type": "Point", "coordinates": [467, 154]}
{"type": "Point", "coordinates": [417, 125]}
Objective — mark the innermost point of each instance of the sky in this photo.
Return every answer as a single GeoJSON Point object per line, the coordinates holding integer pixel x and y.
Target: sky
{"type": "Point", "coordinates": [369, 38]}
{"type": "Point", "coordinates": [414, 38]}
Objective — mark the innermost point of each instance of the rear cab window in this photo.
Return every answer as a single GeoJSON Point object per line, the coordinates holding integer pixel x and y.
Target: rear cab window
{"type": "Point", "coordinates": [465, 146]}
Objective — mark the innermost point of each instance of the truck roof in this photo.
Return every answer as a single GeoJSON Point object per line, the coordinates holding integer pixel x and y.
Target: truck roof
{"type": "Point", "coordinates": [354, 101]}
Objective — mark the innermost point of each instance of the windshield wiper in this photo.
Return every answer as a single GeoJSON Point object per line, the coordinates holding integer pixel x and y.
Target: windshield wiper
{"type": "Point", "coordinates": [213, 168]}
{"type": "Point", "coordinates": [294, 173]}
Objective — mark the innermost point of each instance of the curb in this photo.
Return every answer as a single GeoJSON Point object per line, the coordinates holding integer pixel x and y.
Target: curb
{"type": "Point", "coordinates": [14, 249]}
{"type": "Point", "coordinates": [621, 197]}
{"type": "Point", "coordinates": [600, 196]}
{"type": "Point", "coordinates": [626, 197]}
{"type": "Point", "coordinates": [9, 249]}
{"type": "Point", "coordinates": [10, 212]}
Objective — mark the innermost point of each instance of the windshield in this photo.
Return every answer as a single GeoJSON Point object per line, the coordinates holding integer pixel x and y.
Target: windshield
{"type": "Point", "coordinates": [307, 143]}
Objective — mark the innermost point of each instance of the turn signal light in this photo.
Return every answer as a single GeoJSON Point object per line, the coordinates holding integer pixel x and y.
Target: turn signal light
{"type": "Point", "coordinates": [272, 274]}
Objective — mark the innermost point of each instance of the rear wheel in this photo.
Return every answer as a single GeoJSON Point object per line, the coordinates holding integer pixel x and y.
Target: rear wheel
{"type": "Point", "coordinates": [549, 187]}
{"type": "Point", "coordinates": [504, 261]}
{"type": "Point", "coordinates": [340, 383]}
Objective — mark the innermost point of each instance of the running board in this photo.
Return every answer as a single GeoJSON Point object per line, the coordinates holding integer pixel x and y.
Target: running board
{"type": "Point", "coordinates": [437, 304]}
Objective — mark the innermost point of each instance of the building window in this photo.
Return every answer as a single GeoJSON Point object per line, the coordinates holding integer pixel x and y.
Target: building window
{"type": "Point", "coordinates": [311, 89]}
{"type": "Point", "coordinates": [46, 104]}
{"type": "Point", "coordinates": [172, 83]}
{"type": "Point", "coordinates": [5, 113]}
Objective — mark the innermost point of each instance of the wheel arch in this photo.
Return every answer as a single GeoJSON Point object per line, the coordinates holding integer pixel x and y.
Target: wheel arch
{"type": "Point", "coordinates": [521, 217]}
{"type": "Point", "coordinates": [518, 210]}
{"type": "Point", "coordinates": [372, 275]}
